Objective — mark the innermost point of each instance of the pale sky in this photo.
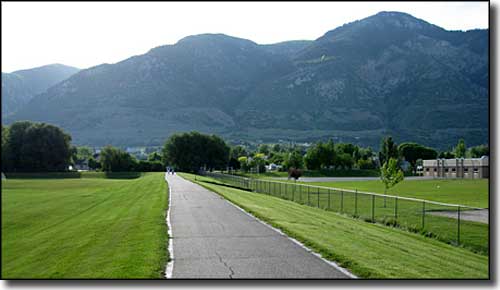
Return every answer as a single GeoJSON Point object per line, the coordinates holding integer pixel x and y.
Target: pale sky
{"type": "Point", "coordinates": [85, 34]}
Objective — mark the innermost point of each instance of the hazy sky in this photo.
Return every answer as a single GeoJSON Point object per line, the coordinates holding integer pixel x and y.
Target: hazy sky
{"type": "Point", "coordinates": [86, 34]}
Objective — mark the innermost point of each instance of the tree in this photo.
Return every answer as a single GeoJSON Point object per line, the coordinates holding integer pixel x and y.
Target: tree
{"type": "Point", "coordinates": [258, 161]}
{"type": "Point", "coordinates": [460, 149]}
{"type": "Point", "coordinates": [312, 158]}
{"type": "Point", "coordinates": [5, 149]}
{"type": "Point", "coordinates": [478, 151]}
{"type": "Point", "coordinates": [276, 148]}
{"type": "Point", "coordinates": [192, 151]}
{"type": "Point", "coordinates": [264, 149]}
{"type": "Point", "coordinates": [413, 151]}
{"type": "Point", "coordinates": [391, 174]}
{"type": "Point", "coordinates": [243, 160]}
{"type": "Point", "coordinates": [36, 147]}
{"type": "Point", "coordinates": [236, 152]}
{"type": "Point", "coordinates": [388, 149]}
{"type": "Point", "coordinates": [345, 161]}
{"type": "Point", "coordinates": [294, 159]}
{"type": "Point", "coordinates": [93, 164]}
{"type": "Point", "coordinates": [154, 156]}
{"type": "Point", "coordinates": [276, 157]}
{"type": "Point", "coordinates": [327, 154]}
{"type": "Point", "coordinates": [320, 155]}
{"type": "Point", "coordinates": [116, 160]}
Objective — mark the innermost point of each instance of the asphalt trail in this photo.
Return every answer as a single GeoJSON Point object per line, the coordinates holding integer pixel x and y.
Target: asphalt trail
{"type": "Point", "coordinates": [214, 239]}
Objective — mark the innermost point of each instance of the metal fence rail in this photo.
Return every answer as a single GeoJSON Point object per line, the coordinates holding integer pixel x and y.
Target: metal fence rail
{"type": "Point", "coordinates": [417, 215]}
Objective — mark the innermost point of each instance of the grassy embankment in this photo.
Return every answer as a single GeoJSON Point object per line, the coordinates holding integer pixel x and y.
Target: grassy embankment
{"type": "Point", "coordinates": [90, 227]}
{"type": "Point", "coordinates": [368, 250]}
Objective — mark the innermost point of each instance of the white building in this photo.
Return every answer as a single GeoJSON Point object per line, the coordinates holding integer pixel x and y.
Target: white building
{"type": "Point", "coordinates": [457, 168]}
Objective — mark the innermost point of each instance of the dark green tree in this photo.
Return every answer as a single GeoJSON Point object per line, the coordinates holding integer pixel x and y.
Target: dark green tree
{"type": "Point", "coordinates": [460, 149]}
{"type": "Point", "coordinates": [294, 159]}
{"type": "Point", "coordinates": [117, 160]}
{"type": "Point", "coordinates": [37, 147]}
{"type": "Point", "coordinates": [93, 164]}
{"type": "Point", "coordinates": [413, 151]}
{"type": "Point", "coordinates": [192, 151]}
{"type": "Point", "coordinates": [6, 157]}
{"type": "Point", "coordinates": [388, 149]}
{"type": "Point", "coordinates": [154, 156]}
{"type": "Point", "coordinates": [312, 158]}
{"type": "Point", "coordinates": [264, 149]}
{"type": "Point", "coordinates": [478, 151]}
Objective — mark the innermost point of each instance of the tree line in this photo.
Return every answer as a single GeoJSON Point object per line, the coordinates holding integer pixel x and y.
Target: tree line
{"type": "Point", "coordinates": [31, 146]}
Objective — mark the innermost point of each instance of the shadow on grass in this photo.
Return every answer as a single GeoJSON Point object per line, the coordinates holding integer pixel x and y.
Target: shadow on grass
{"type": "Point", "coordinates": [73, 174]}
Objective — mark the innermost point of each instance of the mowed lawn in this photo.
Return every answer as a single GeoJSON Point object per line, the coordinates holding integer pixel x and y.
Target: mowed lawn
{"type": "Point", "coordinates": [470, 192]}
{"type": "Point", "coordinates": [368, 250]}
{"type": "Point", "coordinates": [84, 228]}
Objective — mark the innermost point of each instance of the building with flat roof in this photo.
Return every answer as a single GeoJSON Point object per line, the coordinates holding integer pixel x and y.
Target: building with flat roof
{"type": "Point", "coordinates": [457, 168]}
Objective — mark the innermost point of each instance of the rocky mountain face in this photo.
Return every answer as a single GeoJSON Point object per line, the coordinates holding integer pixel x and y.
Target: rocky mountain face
{"type": "Point", "coordinates": [20, 86]}
{"type": "Point", "coordinates": [389, 73]}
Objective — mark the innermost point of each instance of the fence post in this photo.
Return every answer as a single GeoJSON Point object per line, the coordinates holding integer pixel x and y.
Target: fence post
{"type": "Point", "coordinates": [329, 193]}
{"type": "Point", "coordinates": [458, 225]}
{"type": "Point", "coordinates": [396, 209]}
{"type": "Point", "coordinates": [318, 197]}
{"type": "Point", "coordinates": [341, 201]}
{"type": "Point", "coordinates": [280, 189]}
{"type": "Point", "coordinates": [423, 214]}
{"type": "Point", "coordinates": [308, 195]}
{"type": "Point", "coordinates": [356, 202]}
{"type": "Point", "coordinates": [373, 208]}
{"type": "Point", "coordinates": [293, 193]}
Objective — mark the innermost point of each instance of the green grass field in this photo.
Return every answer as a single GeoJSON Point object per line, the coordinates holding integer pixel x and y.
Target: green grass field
{"type": "Point", "coordinates": [318, 173]}
{"type": "Point", "coordinates": [84, 227]}
{"type": "Point", "coordinates": [470, 192]}
{"type": "Point", "coordinates": [368, 250]}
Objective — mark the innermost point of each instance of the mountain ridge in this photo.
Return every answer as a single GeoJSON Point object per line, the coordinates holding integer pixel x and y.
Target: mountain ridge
{"type": "Point", "coordinates": [354, 83]}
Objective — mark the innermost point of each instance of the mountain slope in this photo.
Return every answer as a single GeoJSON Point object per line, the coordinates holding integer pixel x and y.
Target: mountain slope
{"type": "Point", "coordinates": [389, 73]}
{"type": "Point", "coordinates": [20, 86]}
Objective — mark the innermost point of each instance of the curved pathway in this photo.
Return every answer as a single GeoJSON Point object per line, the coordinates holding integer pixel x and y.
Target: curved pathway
{"type": "Point", "coordinates": [214, 239]}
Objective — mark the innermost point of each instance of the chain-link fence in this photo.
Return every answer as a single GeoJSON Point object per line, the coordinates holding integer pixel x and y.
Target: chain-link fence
{"type": "Point", "coordinates": [443, 221]}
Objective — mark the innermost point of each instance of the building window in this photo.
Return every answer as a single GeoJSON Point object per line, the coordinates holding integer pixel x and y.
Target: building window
{"type": "Point", "coordinates": [475, 169]}
{"type": "Point", "coordinates": [453, 169]}
{"type": "Point", "coordinates": [466, 169]}
{"type": "Point", "coordinates": [435, 169]}
{"type": "Point", "coordinates": [427, 169]}
{"type": "Point", "coordinates": [446, 170]}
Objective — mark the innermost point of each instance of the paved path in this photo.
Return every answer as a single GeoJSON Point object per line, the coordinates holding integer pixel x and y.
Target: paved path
{"type": "Point", "coordinates": [214, 239]}
{"type": "Point", "coordinates": [480, 215]}
{"type": "Point", "coordinates": [330, 179]}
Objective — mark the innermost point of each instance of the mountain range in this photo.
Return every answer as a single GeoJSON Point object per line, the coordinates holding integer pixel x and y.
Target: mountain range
{"type": "Point", "coordinates": [388, 74]}
{"type": "Point", "coordinates": [19, 87]}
